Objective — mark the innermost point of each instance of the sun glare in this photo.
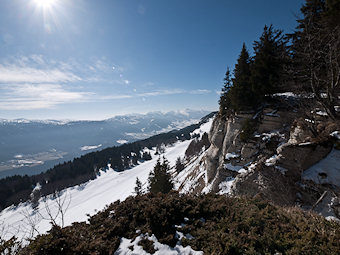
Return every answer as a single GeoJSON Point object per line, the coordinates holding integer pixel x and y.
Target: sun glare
{"type": "Point", "coordinates": [45, 3]}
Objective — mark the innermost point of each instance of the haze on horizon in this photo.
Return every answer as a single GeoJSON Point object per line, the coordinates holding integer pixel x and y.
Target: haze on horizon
{"type": "Point", "coordinates": [88, 59]}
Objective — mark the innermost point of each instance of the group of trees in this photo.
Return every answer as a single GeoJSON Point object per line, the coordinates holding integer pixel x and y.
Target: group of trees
{"type": "Point", "coordinates": [309, 59]}
{"type": "Point", "coordinates": [160, 179]}
{"type": "Point", "coordinates": [316, 52]}
{"type": "Point", "coordinates": [255, 77]}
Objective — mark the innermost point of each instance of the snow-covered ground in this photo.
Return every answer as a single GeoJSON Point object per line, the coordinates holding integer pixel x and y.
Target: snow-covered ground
{"type": "Point", "coordinates": [23, 222]}
{"type": "Point", "coordinates": [325, 171]}
{"type": "Point", "coordinates": [161, 249]}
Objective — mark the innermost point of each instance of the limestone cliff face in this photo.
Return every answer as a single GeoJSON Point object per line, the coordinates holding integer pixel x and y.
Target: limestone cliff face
{"type": "Point", "coordinates": [224, 138]}
{"type": "Point", "coordinates": [270, 164]}
{"type": "Point", "coordinates": [269, 159]}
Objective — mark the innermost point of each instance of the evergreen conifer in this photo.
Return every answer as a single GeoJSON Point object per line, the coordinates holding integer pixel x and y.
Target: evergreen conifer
{"type": "Point", "coordinates": [160, 179]}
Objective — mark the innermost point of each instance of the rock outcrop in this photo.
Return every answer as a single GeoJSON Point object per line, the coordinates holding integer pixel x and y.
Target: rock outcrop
{"type": "Point", "coordinates": [270, 163]}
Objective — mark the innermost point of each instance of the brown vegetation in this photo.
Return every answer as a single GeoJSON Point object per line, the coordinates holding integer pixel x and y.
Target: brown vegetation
{"type": "Point", "coordinates": [219, 225]}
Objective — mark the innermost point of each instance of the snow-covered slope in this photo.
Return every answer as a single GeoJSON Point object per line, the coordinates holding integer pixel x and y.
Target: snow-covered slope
{"type": "Point", "coordinates": [87, 198]}
{"type": "Point", "coordinates": [31, 146]}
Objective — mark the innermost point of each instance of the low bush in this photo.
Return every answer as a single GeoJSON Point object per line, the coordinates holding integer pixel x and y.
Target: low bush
{"type": "Point", "coordinates": [218, 224]}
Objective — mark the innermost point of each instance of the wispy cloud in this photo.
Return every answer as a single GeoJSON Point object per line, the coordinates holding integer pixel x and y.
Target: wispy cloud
{"type": "Point", "coordinates": [162, 93]}
{"type": "Point", "coordinates": [155, 93]}
{"type": "Point", "coordinates": [18, 74]}
{"type": "Point", "coordinates": [31, 82]}
{"type": "Point", "coordinates": [37, 96]}
{"type": "Point", "coordinates": [200, 91]}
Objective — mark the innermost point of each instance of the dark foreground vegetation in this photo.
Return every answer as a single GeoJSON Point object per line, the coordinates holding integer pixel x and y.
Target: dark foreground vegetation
{"type": "Point", "coordinates": [219, 225]}
{"type": "Point", "coordinates": [16, 189]}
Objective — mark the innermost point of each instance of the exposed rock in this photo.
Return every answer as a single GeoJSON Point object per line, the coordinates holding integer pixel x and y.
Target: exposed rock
{"type": "Point", "coordinates": [224, 138]}
{"type": "Point", "coordinates": [249, 150]}
{"type": "Point", "coordinates": [271, 162]}
{"type": "Point", "coordinates": [266, 182]}
{"type": "Point", "coordinates": [296, 158]}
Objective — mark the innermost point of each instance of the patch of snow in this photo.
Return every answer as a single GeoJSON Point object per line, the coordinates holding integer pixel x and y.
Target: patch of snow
{"type": "Point", "coordinates": [225, 186]}
{"type": "Point", "coordinates": [231, 155]}
{"type": "Point", "coordinates": [90, 147]}
{"type": "Point", "coordinates": [205, 128]}
{"type": "Point", "coordinates": [122, 141]}
{"type": "Point", "coordinates": [286, 94]}
{"type": "Point", "coordinates": [321, 113]}
{"type": "Point", "coordinates": [304, 144]}
{"type": "Point", "coordinates": [272, 160]}
{"type": "Point", "coordinates": [231, 167]}
{"type": "Point", "coordinates": [268, 136]}
{"type": "Point", "coordinates": [310, 121]}
{"type": "Point", "coordinates": [326, 170]}
{"type": "Point", "coordinates": [332, 218]}
{"type": "Point", "coordinates": [336, 134]}
{"type": "Point", "coordinates": [37, 187]}
{"type": "Point", "coordinates": [161, 249]}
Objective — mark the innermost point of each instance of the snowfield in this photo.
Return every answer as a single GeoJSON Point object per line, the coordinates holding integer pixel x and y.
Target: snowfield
{"type": "Point", "coordinates": [88, 198]}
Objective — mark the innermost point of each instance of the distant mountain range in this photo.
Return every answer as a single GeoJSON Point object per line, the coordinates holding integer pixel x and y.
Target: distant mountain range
{"type": "Point", "coordinates": [32, 146]}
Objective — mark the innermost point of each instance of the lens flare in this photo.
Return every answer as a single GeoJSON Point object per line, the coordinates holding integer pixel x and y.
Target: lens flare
{"type": "Point", "coordinates": [46, 4]}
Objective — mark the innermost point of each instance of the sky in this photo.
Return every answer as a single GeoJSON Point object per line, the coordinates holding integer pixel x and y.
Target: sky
{"type": "Point", "coordinates": [86, 59]}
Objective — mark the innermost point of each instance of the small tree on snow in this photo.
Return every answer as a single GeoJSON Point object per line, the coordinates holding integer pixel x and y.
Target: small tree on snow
{"type": "Point", "coordinates": [160, 179]}
{"type": "Point", "coordinates": [179, 165]}
{"type": "Point", "coordinates": [138, 188]}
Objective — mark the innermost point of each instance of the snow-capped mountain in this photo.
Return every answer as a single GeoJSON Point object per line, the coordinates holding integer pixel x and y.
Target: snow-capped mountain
{"type": "Point", "coordinates": [32, 146]}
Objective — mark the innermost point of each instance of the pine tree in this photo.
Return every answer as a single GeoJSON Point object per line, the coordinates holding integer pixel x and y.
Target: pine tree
{"type": "Point", "coordinates": [138, 188]}
{"type": "Point", "coordinates": [267, 68]}
{"type": "Point", "coordinates": [241, 95]}
{"type": "Point", "coordinates": [179, 165]}
{"type": "Point", "coordinates": [160, 179]}
{"type": "Point", "coordinates": [224, 101]}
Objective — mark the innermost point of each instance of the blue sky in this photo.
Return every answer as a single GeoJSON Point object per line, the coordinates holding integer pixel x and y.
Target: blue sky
{"type": "Point", "coordinates": [86, 59]}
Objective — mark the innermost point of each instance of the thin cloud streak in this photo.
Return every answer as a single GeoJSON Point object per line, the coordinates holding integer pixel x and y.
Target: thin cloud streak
{"type": "Point", "coordinates": [200, 91]}
{"type": "Point", "coordinates": [38, 96]}
{"type": "Point", "coordinates": [154, 94]}
{"type": "Point", "coordinates": [15, 74]}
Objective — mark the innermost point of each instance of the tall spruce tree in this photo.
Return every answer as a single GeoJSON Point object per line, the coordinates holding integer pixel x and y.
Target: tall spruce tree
{"type": "Point", "coordinates": [267, 68]}
{"type": "Point", "coordinates": [225, 101]}
{"type": "Point", "coordinates": [241, 94]}
{"type": "Point", "coordinates": [160, 179]}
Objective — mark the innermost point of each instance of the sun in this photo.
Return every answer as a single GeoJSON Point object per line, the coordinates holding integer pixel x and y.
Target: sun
{"type": "Point", "coordinates": [45, 4]}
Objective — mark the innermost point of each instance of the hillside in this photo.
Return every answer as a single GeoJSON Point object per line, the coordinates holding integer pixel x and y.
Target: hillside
{"type": "Point", "coordinates": [16, 189]}
{"type": "Point", "coordinates": [32, 146]}
{"type": "Point", "coordinates": [182, 224]}
{"type": "Point", "coordinates": [110, 185]}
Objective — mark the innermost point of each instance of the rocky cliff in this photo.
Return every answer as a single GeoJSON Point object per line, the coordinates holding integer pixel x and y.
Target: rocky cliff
{"type": "Point", "coordinates": [267, 154]}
